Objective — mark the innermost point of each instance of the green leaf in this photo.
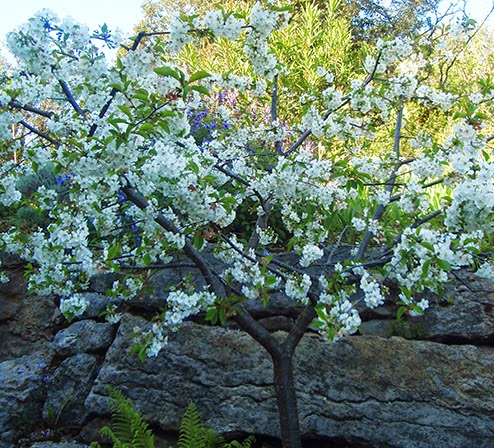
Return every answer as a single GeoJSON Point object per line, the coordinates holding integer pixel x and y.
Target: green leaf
{"type": "Point", "coordinates": [400, 312]}
{"type": "Point", "coordinates": [113, 252]}
{"type": "Point", "coordinates": [142, 354]}
{"type": "Point", "coordinates": [212, 316]}
{"type": "Point", "coordinates": [427, 245]}
{"type": "Point", "coordinates": [200, 89]}
{"type": "Point", "coordinates": [198, 241]}
{"type": "Point", "coordinates": [146, 259]}
{"type": "Point", "coordinates": [185, 92]}
{"type": "Point", "coordinates": [116, 86]}
{"type": "Point", "coordinates": [331, 334]}
{"type": "Point", "coordinates": [222, 316]}
{"type": "Point", "coordinates": [271, 280]}
{"type": "Point", "coordinates": [135, 348]}
{"type": "Point", "coordinates": [125, 110]}
{"type": "Point", "coordinates": [425, 268]}
{"type": "Point", "coordinates": [146, 127]}
{"type": "Point", "coordinates": [444, 264]}
{"type": "Point", "coordinates": [459, 115]}
{"type": "Point", "coordinates": [199, 75]}
{"type": "Point", "coordinates": [140, 96]}
{"type": "Point", "coordinates": [194, 167]}
{"type": "Point", "coordinates": [167, 113]}
{"type": "Point", "coordinates": [167, 71]}
{"type": "Point", "coordinates": [320, 313]}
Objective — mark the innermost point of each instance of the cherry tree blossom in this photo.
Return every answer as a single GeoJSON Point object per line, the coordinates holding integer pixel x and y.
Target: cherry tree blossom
{"type": "Point", "coordinates": [138, 188]}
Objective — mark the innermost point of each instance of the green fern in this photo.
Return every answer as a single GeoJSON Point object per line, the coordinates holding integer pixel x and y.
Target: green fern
{"type": "Point", "coordinates": [193, 434]}
{"type": "Point", "coordinates": [247, 443]}
{"type": "Point", "coordinates": [128, 430]}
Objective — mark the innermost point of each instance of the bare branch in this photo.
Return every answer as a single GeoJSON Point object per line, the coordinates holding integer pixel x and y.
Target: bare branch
{"type": "Point", "coordinates": [141, 36]}
{"type": "Point", "coordinates": [397, 197]}
{"type": "Point", "coordinates": [391, 185]}
{"type": "Point", "coordinates": [299, 327]}
{"type": "Point", "coordinates": [70, 97]}
{"type": "Point", "coordinates": [247, 323]}
{"type": "Point", "coordinates": [32, 109]}
{"type": "Point", "coordinates": [212, 280]}
{"type": "Point", "coordinates": [39, 133]}
{"type": "Point", "coordinates": [274, 105]}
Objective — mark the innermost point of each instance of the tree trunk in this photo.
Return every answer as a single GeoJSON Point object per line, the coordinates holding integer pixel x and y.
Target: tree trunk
{"type": "Point", "coordinates": [282, 357]}
{"type": "Point", "coordinates": [287, 401]}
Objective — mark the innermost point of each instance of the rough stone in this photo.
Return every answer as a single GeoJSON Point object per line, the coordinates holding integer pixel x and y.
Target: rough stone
{"type": "Point", "coordinates": [21, 395]}
{"type": "Point", "coordinates": [428, 390]}
{"type": "Point", "coordinates": [388, 392]}
{"type": "Point", "coordinates": [230, 373]}
{"type": "Point", "coordinates": [67, 390]}
{"type": "Point", "coordinates": [397, 393]}
{"type": "Point", "coordinates": [466, 314]}
{"type": "Point", "coordinates": [48, 444]}
{"type": "Point", "coordinates": [26, 321]}
{"type": "Point", "coordinates": [85, 336]}
{"type": "Point", "coordinates": [97, 304]}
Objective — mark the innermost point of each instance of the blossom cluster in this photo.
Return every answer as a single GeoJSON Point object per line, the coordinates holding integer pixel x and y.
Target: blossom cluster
{"type": "Point", "coordinates": [142, 185]}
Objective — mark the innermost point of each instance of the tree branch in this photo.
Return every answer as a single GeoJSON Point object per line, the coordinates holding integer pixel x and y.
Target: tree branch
{"type": "Point", "coordinates": [70, 97]}
{"type": "Point", "coordinates": [299, 327]}
{"type": "Point", "coordinates": [248, 324]}
{"type": "Point", "coordinates": [39, 133]}
{"type": "Point", "coordinates": [391, 185]}
{"type": "Point", "coordinates": [212, 280]}
{"type": "Point", "coordinates": [397, 197]}
{"type": "Point", "coordinates": [344, 101]}
{"type": "Point", "coordinates": [28, 108]}
{"type": "Point", "coordinates": [141, 36]}
{"type": "Point", "coordinates": [274, 107]}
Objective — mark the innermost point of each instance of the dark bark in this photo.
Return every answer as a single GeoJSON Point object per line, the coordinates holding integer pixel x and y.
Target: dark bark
{"type": "Point", "coordinates": [286, 397]}
{"type": "Point", "coordinates": [284, 383]}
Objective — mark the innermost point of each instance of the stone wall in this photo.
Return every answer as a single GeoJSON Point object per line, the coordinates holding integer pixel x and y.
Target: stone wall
{"type": "Point", "coordinates": [423, 382]}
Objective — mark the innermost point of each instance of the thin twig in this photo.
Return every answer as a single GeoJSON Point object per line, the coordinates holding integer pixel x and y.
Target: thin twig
{"type": "Point", "coordinates": [141, 36]}
{"type": "Point", "coordinates": [397, 197]}
{"type": "Point", "coordinates": [344, 101]}
{"type": "Point", "coordinates": [274, 113]}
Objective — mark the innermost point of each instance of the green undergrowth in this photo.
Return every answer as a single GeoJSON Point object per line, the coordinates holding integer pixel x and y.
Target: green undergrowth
{"type": "Point", "coordinates": [129, 430]}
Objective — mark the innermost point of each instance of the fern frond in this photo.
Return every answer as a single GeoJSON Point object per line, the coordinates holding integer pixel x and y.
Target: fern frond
{"type": "Point", "coordinates": [247, 443]}
{"type": "Point", "coordinates": [192, 433]}
{"type": "Point", "coordinates": [214, 440]}
{"type": "Point", "coordinates": [128, 430]}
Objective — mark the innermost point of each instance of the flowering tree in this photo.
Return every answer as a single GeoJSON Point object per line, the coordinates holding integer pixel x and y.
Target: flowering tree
{"type": "Point", "coordinates": [133, 185]}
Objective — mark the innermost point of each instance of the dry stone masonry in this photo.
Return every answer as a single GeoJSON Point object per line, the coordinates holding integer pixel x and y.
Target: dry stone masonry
{"type": "Point", "coordinates": [421, 382]}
